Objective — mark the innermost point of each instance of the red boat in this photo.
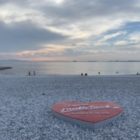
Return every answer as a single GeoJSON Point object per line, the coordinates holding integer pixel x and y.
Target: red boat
{"type": "Point", "coordinates": [93, 114]}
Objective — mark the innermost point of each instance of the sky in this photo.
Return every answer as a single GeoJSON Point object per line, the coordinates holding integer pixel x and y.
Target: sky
{"type": "Point", "coordinates": [84, 30]}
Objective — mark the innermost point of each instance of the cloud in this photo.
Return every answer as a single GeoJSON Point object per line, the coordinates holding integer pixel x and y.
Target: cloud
{"type": "Point", "coordinates": [25, 35]}
{"type": "Point", "coordinates": [83, 27]}
{"type": "Point", "coordinates": [72, 10]}
{"type": "Point", "coordinates": [135, 37]}
{"type": "Point", "coordinates": [13, 1]}
{"type": "Point", "coordinates": [108, 37]}
{"type": "Point", "coordinates": [121, 43]}
{"type": "Point", "coordinates": [90, 18]}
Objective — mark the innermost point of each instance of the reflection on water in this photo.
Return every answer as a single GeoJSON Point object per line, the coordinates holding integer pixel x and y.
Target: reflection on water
{"type": "Point", "coordinates": [70, 68]}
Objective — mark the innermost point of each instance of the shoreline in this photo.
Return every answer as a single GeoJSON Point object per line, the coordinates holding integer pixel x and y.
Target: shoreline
{"type": "Point", "coordinates": [70, 75]}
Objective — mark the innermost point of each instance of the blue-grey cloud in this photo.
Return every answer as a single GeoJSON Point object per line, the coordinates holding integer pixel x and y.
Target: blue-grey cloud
{"type": "Point", "coordinates": [129, 28]}
{"type": "Point", "coordinates": [14, 1]}
{"type": "Point", "coordinates": [25, 36]}
{"type": "Point", "coordinates": [75, 10]}
{"type": "Point", "coordinates": [76, 17]}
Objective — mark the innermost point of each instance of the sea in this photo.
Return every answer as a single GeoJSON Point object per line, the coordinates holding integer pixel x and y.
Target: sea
{"type": "Point", "coordinates": [69, 68]}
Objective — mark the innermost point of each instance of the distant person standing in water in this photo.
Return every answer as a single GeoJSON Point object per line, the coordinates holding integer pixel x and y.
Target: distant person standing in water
{"type": "Point", "coordinates": [34, 73]}
{"type": "Point", "coordinates": [137, 73]}
{"type": "Point", "coordinates": [86, 74]}
{"type": "Point", "coordinates": [29, 73]}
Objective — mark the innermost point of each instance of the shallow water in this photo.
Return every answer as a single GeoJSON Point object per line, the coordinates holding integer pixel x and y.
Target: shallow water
{"type": "Point", "coordinates": [70, 68]}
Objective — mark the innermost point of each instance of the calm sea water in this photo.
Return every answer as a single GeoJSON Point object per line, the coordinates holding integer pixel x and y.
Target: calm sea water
{"type": "Point", "coordinates": [70, 68]}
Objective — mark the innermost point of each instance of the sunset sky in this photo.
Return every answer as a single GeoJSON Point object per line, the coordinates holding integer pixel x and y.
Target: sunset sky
{"type": "Point", "coordinates": [70, 29]}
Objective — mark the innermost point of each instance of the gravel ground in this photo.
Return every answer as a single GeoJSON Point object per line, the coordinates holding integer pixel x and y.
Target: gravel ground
{"type": "Point", "coordinates": [25, 107]}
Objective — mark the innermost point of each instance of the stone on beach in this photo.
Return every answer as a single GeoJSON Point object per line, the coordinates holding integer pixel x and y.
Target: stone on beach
{"type": "Point", "coordinates": [26, 114]}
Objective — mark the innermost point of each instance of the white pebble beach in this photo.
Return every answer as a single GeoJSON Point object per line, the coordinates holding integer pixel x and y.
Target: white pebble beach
{"type": "Point", "coordinates": [25, 106]}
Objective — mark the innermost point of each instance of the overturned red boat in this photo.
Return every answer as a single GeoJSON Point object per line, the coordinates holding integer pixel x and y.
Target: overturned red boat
{"type": "Point", "coordinates": [93, 114]}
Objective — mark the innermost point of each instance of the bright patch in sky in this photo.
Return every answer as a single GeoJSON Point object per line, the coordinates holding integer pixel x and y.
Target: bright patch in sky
{"type": "Point", "coordinates": [59, 1]}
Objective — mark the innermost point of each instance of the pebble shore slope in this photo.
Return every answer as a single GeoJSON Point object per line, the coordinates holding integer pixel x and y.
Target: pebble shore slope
{"type": "Point", "coordinates": [25, 107]}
